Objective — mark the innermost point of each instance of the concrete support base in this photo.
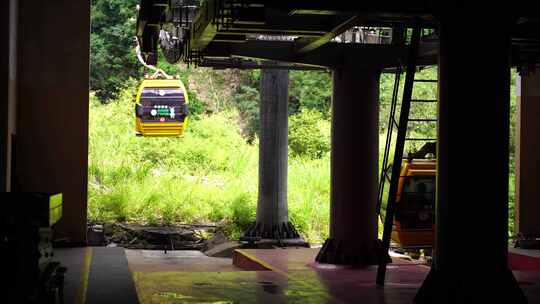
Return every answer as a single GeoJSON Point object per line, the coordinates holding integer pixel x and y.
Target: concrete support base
{"type": "Point", "coordinates": [278, 231]}
{"type": "Point", "coordinates": [466, 286]}
{"type": "Point", "coordinates": [335, 251]}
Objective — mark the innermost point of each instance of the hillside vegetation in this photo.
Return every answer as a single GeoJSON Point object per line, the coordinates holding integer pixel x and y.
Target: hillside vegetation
{"type": "Point", "coordinates": [207, 176]}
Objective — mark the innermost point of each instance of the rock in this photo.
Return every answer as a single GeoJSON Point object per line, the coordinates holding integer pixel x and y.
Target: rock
{"type": "Point", "coordinates": [193, 237]}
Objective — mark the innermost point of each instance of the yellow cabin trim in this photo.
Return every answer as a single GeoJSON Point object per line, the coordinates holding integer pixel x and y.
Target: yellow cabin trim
{"type": "Point", "coordinates": [160, 128]}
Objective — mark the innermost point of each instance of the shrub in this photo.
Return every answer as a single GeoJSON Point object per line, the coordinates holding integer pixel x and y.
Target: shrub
{"type": "Point", "coordinates": [312, 89]}
{"type": "Point", "coordinates": [246, 101]}
{"type": "Point", "coordinates": [309, 134]}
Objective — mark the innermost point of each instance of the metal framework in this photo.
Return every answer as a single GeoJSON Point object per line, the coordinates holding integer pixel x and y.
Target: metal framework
{"type": "Point", "coordinates": [219, 30]}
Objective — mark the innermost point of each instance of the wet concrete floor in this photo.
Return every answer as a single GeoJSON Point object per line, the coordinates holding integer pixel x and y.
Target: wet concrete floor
{"type": "Point", "coordinates": [115, 275]}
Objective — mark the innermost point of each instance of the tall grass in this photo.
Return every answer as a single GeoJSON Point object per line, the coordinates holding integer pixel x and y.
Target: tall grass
{"type": "Point", "coordinates": [208, 175]}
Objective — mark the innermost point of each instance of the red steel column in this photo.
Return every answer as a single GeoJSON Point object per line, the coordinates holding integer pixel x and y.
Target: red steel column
{"type": "Point", "coordinates": [354, 157]}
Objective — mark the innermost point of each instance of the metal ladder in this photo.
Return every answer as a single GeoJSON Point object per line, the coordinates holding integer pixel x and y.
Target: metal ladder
{"type": "Point", "coordinates": [402, 127]}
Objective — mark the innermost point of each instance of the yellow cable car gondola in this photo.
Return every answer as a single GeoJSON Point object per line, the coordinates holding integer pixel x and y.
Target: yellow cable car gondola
{"type": "Point", "coordinates": [413, 223]}
{"type": "Point", "coordinates": [161, 107]}
{"type": "Point", "coordinates": [415, 201]}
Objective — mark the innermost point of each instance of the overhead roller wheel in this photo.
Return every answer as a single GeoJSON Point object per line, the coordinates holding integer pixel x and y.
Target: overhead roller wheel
{"type": "Point", "coordinates": [170, 42]}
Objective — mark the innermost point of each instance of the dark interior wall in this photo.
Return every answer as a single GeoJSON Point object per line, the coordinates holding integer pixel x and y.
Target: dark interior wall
{"type": "Point", "coordinates": [4, 70]}
{"type": "Point", "coordinates": [11, 121]}
{"type": "Point", "coordinates": [528, 154]}
{"type": "Point", "coordinates": [6, 28]}
{"type": "Point", "coordinates": [52, 116]}
{"type": "Point", "coordinates": [8, 80]}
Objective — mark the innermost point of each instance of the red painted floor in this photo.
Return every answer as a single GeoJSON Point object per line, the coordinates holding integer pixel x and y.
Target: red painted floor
{"type": "Point", "coordinates": [357, 285]}
{"type": "Point", "coordinates": [524, 259]}
{"type": "Point", "coordinates": [342, 284]}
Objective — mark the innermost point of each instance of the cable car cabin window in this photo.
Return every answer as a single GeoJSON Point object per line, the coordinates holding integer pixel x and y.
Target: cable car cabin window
{"type": "Point", "coordinates": [415, 208]}
{"type": "Point", "coordinates": [163, 105]}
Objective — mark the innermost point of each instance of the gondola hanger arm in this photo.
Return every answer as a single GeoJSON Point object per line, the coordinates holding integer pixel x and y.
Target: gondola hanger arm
{"type": "Point", "coordinates": [157, 72]}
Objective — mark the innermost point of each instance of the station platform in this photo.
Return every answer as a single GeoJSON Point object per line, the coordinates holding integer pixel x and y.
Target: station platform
{"type": "Point", "coordinates": [117, 275]}
{"type": "Point", "coordinates": [524, 259]}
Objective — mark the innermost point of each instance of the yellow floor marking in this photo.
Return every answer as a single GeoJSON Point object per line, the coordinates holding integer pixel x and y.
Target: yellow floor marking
{"type": "Point", "coordinates": [262, 263]}
{"type": "Point", "coordinates": [138, 290]}
{"type": "Point", "coordinates": [80, 298]}
{"type": "Point", "coordinates": [275, 269]}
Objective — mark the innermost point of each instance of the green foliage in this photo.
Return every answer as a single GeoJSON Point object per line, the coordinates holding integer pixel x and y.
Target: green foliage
{"type": "Point", "coordinates": [242, 214]}
{"type": "Point", "coordinates": [209, 175]}
{"type": "Point", "coordinates": [246, 100]}
{"type": "Point", "coordinates": [417, 110]}
{"type": "Point", "coordinates": [512, 150]}
{"type": "Point", "coordinates": [112, 59]}
{"type": "Point", "coordinates": [308, 196]}
{"type": "Point", "coordinates": [309, 134]}
{"type": "Point", "coordinates": [310, 90]}
{"type": "Point", "coordinates": [112, 54]}
{"type": "Point", "coordinates": [307, 90]}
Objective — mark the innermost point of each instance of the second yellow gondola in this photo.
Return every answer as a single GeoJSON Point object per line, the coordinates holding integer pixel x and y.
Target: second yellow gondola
{"type": "Point", "coordinates": [161, 108]}
{"type": "Point", "coordinates": [413, 224]}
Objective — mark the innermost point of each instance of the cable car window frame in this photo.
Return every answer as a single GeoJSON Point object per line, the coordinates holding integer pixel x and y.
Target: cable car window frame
{"type": "Point", "coordinates": [145, 92]}
{"type": "Point", "coordinates": [405, 213]}
{"type": "Point", "coordinates": [150, 96]}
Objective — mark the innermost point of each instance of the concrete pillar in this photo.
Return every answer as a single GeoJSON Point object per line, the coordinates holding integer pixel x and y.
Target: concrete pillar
{"type": "Point", "coordinates": [354, 157]}
{"type": "Point", "coordinates": [471, 243]}
{"type": "Point", "coordinates": [52, 106]}
{"type": "Point", "coordinates": [272, 212]}
{"type": "Point", "coordinates": [527, 220]}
